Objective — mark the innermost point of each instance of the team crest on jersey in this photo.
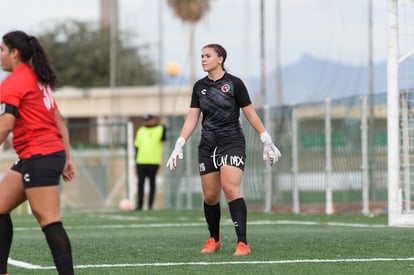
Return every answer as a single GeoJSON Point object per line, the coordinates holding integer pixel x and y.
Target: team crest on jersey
{"type": "Point", "coordinates": [225, 88]}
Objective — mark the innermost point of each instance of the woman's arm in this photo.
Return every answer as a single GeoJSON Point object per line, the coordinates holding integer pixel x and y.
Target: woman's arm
{"type": "Point", "coordinates": [68, 172]}
{"type": "Point", "coordinates": [190, 123]}
{"type": "Point", "coordinates": [63, 131]}
{"type": "Point", "coordinates": [271, 153]}
{"type": "Point", "coordinates": [6, 126]}
{"type": "Point", "coordinates": [253, 118]}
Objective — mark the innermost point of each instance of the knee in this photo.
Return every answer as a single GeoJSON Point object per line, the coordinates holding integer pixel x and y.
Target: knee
{"type": "Point", "coordinates": [211, 199]}
{"type": "Point", "coordinates": [44, 220]}
{"type": "Point", "coordinates": [231, 194]}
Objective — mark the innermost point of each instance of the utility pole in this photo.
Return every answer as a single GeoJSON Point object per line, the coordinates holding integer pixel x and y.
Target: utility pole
{"type": "Point", "coordinates": [262, 56]}
{"type": "Point", "coordinates": [113, 33]}
{"type": "Point", "coordinates": [246, 47]}
{"type": "Point", "coordinates": [370, 50]}
{"type": "Point", "coordinates": [113, 29]}
{"type": "Point", "coordinates": [370, 101]}
{"type": "Point", "coordinates": [161, 58]}
{"type": "Point", "coordinates": [279, 86]}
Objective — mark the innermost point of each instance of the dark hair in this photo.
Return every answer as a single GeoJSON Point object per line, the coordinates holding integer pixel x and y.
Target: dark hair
{"type": "Point", "coordinates": [220, 50]}
{"type": "Point", "coordinates": [31, 51]}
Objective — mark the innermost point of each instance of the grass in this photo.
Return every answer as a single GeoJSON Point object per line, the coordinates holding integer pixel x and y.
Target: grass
{"type": "Point", "coordinates": [169, 242]}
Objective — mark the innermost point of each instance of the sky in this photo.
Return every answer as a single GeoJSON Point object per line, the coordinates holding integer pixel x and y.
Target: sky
{"type": "Point", "coordinates": [335, 30]}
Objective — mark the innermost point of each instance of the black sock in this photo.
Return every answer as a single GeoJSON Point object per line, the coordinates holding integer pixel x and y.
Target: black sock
{"type": "Point", "coordinates": [60, 247]}
{"type": "Point", "coordinates": [238, 212]}
{"type": "Point", "coordinates": [212, 213]}
{"type": "Point", "coordinates": [6, 236]}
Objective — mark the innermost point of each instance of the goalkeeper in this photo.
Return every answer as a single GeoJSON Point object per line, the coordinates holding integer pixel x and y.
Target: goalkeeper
{"type": "Point", "coordinates": [222, 149]}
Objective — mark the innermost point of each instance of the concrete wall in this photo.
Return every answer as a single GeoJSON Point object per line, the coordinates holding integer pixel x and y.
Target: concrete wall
{"type": "Point", "coordinates": [123, 101]}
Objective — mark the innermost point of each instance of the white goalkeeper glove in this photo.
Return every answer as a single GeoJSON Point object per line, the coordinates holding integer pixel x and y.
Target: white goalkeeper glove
{"type": "Point", "coordinates": [271, 153]}
{"type": "Point", "coordinates": [176, 153]}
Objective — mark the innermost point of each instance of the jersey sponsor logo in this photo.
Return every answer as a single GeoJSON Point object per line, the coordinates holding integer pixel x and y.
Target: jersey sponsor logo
{"type": "Point", "coordinates": [221, 160]}
{"type": "Point", "coordinates": [225, 88]}
{"type": "Point", "coordinates": [203, 91]}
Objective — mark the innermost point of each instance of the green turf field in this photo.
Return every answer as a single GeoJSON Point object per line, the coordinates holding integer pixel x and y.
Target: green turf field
{"type": "Point", "coordinates": [169, 242]}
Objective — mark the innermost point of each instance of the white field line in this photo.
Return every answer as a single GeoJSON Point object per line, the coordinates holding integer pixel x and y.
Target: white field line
{"type": "Point", "coordinates": [24, 264]}
{"type": "Point", "coordinates": [184, 224]}
{"type": "Point", "coordinates": [296, 261]}
{"type": "Point", "coordinates": [196, 224]}
{"type": "Point", "coordinates": [229, 223]}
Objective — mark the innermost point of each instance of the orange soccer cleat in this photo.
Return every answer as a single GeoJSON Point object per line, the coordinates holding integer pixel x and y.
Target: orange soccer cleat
{"type": "Point", "coordinates": [211, 246]}
{"type": "Point", "coordinates": [242, 249]}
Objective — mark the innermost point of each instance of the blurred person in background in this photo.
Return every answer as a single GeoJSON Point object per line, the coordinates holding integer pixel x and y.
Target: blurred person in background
{"type": "Point", "coordinates": [41, 141]}
{"type": "Point", "coordinates": [219, 96]}
{"type": "Point", "coordinates": [148, 144]}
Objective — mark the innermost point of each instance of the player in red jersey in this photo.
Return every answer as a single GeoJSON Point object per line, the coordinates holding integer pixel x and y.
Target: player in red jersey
{"type": "Point", "coordinates": [40, 138]}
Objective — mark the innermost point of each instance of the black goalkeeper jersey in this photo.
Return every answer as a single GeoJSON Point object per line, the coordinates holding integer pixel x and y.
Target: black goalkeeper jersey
{"type": "Point", "coordinates": [220, 102]}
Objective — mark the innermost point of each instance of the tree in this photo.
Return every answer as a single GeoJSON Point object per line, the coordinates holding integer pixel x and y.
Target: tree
{"type": "Point", "coordinates": [190, 11]}
{"type": "Point", "coordinates": [80, 55]}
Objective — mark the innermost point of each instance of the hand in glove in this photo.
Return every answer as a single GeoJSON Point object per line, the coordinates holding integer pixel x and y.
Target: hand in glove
{"type": "Point", "coordinates": [177, 152]}
{"type": "Point", "coordinates": [271, 153]}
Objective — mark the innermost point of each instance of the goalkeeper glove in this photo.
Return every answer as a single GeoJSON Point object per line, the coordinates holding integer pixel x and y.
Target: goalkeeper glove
{"type": "Point", "coordinates": [271, 153]}
{"type": "Point", "coordinates": [176, 153]}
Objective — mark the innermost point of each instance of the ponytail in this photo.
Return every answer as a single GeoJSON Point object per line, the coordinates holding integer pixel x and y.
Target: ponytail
{"type": "Point", "coordinates": [31, 51]}
{"type": "Point", "coordinates": [41, 64]}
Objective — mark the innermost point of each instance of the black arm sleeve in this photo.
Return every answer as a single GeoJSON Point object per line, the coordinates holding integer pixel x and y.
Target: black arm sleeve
{"type": "Point", "coordinates": [8, 108]}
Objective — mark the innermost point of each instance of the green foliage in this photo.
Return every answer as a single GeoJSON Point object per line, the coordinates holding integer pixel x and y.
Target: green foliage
{"type": "Point", "coordinates": [80, 53]}
{"type": "Point", "coordinates": [169, 242]}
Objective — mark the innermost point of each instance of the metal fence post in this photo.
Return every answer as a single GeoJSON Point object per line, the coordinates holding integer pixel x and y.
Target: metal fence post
{"type": "Point", "coordinates": [328, 158]}
{"type": "Point", "coordinates": [406, 175]}
{"type": "Point", "coordinates": [364, 152]}
{"type": "Point", "coordinates": [268, 184]}
{"type": "Point", "coordinates": [295, 165]}
{"type": "Point", "coordinates": [131, 190]}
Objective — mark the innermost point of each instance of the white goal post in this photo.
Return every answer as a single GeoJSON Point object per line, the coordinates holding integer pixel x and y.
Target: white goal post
{"type": "Point", "coordinates": [400, 116]}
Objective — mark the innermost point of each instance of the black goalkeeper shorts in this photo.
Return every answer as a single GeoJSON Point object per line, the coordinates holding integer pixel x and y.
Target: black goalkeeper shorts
{"type": "Point", "coordinates": [230, 151]}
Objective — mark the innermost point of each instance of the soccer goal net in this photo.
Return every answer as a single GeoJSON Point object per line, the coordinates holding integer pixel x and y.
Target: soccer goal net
{"type": "Point", "coordinates": [101, 155]}
{"type": "Point", "coordinates": [400, 99]}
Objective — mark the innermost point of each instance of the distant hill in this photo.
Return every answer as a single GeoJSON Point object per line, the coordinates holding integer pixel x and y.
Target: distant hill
{"type": "Point", "coordinates": [311, 79]}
